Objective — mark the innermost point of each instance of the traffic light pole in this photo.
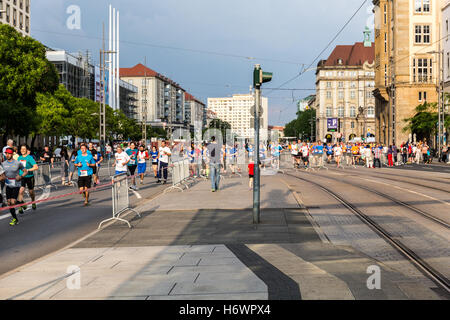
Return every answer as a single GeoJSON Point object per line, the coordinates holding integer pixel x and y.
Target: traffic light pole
{"type": "Point", "coordinates": [259, 77]}
{"type": "Point", "coordinates": [257, 177]}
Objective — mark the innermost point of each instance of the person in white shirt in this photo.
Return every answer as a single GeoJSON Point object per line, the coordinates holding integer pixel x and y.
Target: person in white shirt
{"type": "Point", "coordinates": [294, 153]}
{"type": "Point", "coordinates": [337, 154]}
{"type": "Point", "coordinates": [164, 154]}
{"type": "Point", "coordinates": [122, 159]}
{"type": "Point", "coordinates": [305, 154]}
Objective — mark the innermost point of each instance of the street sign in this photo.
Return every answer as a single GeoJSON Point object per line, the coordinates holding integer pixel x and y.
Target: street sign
{"type": "Point", "coordinates": [332, 124]}
{"type": "Point", "coordinates": [252, 111]}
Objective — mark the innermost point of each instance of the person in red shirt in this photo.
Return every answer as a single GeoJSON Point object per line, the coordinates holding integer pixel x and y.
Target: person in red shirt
{"type": "Point", "coordinates": [251, 174]}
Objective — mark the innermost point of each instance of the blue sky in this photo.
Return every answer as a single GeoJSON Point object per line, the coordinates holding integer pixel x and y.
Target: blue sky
{"type": "Point", "coordinates": [280, 34]}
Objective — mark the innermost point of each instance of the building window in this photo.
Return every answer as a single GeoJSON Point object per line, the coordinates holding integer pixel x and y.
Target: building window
{"type": "Point", "coordinates": [341, 73]}
{"type": "Point", "coordinates": [422, 70]}
{"type": "Point", "coordinates": [425, 95]}
{"type": "Point", "coordinates": [341, 94]}
{"type": "Point", "coordinates": [370, 111]}
{"type": "Point", "coordinates": [448, 64]}
{"type": "Point", "coordinates": [369, 95]}
{"type": "Point", "coordinates": [385, 42]}
{"type": "Point", "coordinates": [352, 111]}
{"type": "Point", "coordinates": [422, 34]}
{"type": "Point", "coordinates": [328, 94]}
{"type": "Point", "coordinates": [385, 13]}
{"type": "Point", "coordinates": [385, 76]}
{"type": "Point", "coordinates": [420, 95]}
{"type": "Point", "coordinates": [422, 6]}
{"type": "Point", "coordinates": [329, 112]}
{"type": "Point", "coordinates": [353, 125]}
{"type": "Point", "coordinates": [353, 85]}
{"type": "Point", "coordinates": [328, 84]}
{"type": "Point", "coordinates": [340, 84]}
{"type": "Point", "coordinates": [341, 112]}
{"type": "Point", "coordinates": [352, 94]}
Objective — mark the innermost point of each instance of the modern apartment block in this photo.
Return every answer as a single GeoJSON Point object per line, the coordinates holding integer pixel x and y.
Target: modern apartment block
{"type": "Point", "coordinates": [162, 102]}
{"type": "Point", "coordinates": [82, 80]}
{"type": "Point", "coordinates": [407, 68]}
{"type": "Point", "coordinates": [236, 110]}
{"type": "Point", "coordinates": [344, 101]}
{"type": "Point", "coordinates": [16, 13]}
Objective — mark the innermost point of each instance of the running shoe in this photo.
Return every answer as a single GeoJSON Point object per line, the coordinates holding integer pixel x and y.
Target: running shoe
{"type": "Point", "coordinates": [159, 181]}
{"type": "Point", "coordinates": [165, 182]}
{"type": "Point", "coordinates": [14, 222]}
{"type": "Point", "coordinates": [33, 206]}
{"type": "Point", "coordinates": [213, 190]}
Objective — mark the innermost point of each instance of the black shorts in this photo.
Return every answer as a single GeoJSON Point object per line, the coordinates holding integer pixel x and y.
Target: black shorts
{"type": "Point", "coordinates": [298, 156]}
{"type": "Point", "coordinates": [28, 182]}
{"type": "Point", "coordinates": [251, 176]}
{"type": "Point", "coordinates": [85, 182]}
{"type": "Point", "coordinates": [12, 193]}
{"type": "Point", "coordinates": [94, 170]}
{"type": "Point", "coordinates": [305, 159]}
{"type": "Point", "coordinates": [132, 170]}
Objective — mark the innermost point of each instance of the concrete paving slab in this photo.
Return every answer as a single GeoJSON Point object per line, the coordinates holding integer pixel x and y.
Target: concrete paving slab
{"type": "Point", "coordinates": [220, 287]}
{"type": "Point", "coordinates": [223, 296]}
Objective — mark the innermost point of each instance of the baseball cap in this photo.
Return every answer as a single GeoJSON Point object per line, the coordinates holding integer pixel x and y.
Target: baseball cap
{"type": "Point", "coordinates": [9, 150]}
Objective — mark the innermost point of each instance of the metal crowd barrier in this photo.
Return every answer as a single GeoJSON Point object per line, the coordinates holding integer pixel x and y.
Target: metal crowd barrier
{"type": "Point", "coordinates": [43, 176]}
{"type": "Point", "coordinates": [120, 200]}
{"type": "Point", "coordinates": [180, 175]}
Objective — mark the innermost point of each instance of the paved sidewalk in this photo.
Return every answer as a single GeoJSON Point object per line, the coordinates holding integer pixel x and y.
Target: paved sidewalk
{"type": "Point", "coordinates": [202, 245]}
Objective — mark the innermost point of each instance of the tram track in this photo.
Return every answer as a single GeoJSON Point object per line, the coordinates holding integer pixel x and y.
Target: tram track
{"type": "Point", "coordinates": [383, 176]}
{"type": "Point", "coordinates": [437, 277]}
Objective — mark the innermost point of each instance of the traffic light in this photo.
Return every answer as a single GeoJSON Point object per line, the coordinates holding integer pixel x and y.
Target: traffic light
{"type": "Point", "coordinates": [260, 77]}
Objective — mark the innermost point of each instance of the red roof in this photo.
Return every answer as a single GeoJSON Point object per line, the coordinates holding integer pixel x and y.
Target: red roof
{"type": "Point", "coordinates": [189, 97]}
{"type": "Point", "coordinates": [140, 70]}
{"type": "Point", "coordinates": [351, 55]}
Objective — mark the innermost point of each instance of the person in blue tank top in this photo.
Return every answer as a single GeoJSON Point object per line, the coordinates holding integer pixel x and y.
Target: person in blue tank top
{"type": "Point", "coordinates": [155, 156]}
{"type": "Point", "coordinates": [85, 162]}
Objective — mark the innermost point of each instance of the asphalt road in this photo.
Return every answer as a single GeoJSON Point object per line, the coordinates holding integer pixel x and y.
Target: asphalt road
{"type": "Point", "coordinates": [58, 223]}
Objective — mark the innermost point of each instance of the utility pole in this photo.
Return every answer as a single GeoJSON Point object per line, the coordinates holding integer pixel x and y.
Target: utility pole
{"type": "Point", "coordinates": [259, 77]}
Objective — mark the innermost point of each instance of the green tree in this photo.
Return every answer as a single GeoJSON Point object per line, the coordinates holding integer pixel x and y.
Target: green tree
{"type": "Point", "coordinates": [425, 122]}
{"type": "Point", "coordinates": [223, 126]}
{"type": "Point", "coordinates": [301, 127]}
{"type": "Point", "coordinates": [52, 112]}
{"type": "Point", "coordinates": [24, 72]}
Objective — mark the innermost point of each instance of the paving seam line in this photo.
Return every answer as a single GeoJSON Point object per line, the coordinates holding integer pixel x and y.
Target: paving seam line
{"type": "Point", "coordinates": [323, 237]}
{"type": "Point", "coordinates": [20, 268]}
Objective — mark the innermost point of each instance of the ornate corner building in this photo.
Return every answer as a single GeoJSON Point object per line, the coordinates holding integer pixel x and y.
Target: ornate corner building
{"type": "Point", "coordinates": [407, 68]}
{"type": "Point", "coordinates": [344, 87]}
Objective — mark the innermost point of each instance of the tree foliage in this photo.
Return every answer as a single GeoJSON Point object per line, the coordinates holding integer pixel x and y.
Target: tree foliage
{"type": "Point", "coordinates": [24, 73]}
{"type": "Point", "coordinates": [424, 122]}
{"type": "Point", "coordinates": [301, 127]}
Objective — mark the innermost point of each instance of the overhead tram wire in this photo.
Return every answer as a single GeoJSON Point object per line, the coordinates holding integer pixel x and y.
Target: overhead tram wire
{"type": "Point", "coordinates": [327, 46]}
{"type": "Point", "coordinates": [174, 48]}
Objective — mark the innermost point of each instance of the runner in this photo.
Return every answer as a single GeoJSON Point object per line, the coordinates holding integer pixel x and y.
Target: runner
{"type": "Point", "coordinates": [28, 181]}
{"type": "Point", "coordinates": [142, 162]}
{"type": "Point", "coordinates": [132, 165]}
{"type": "Point", "coordinates": [338, 154]}
{"type": "Point", "coordinates": [329, 150]}
{"type": "Point", "coordinates": [94, 154]}
{"type": "Point", "coordinates": [85, 163]}
{"type": "Point", "coordinates": [121, 161]}
{"type": "Point", "coordinates": [305, 154]}
{"type": "Point", "coordinates": [155, 156]}
{"type": "Point", "coordinates": [12, 170]}
{"type": "Point", "coordinates": [99, 164]}
{"type": "Point", "coordinates": [294, 153]}
{"type": "Point", "coordinates": [164, 154]}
